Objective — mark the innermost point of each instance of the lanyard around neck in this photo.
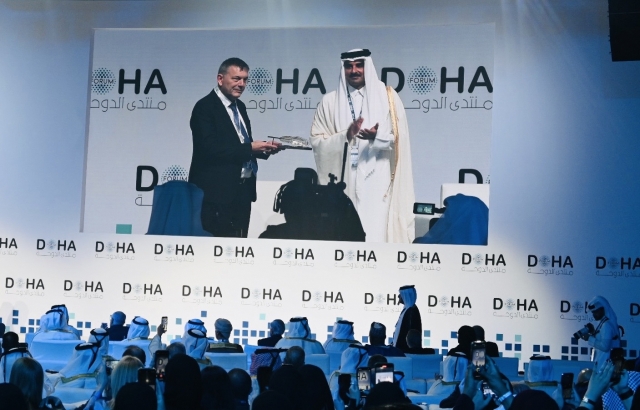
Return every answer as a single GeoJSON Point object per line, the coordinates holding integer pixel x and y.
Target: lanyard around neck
{"type": "Point", "coordinates": [353, 114]}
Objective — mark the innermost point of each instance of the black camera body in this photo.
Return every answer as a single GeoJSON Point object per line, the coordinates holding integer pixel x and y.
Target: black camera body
{"type": "Point", "coordinates": [585, 332]}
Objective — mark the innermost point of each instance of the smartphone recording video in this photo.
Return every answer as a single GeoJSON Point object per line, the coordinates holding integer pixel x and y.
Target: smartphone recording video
{"type": "Point", "coordinates": [478, 352]}
{"type": "Point", "coordinates": [160, 362]}
{"type": "Point", "coordinates": [566, 381]}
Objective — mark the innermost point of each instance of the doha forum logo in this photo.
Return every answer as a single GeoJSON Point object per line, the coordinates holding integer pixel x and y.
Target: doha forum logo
{"type": "Point", "coordinates": [102, 81]}
{"type": "Point", "coordinates": [175, 173]}
{"type": "Point", "coordinates": [260, 81]}
{"type": "Point", "coordinates": [422, 80]}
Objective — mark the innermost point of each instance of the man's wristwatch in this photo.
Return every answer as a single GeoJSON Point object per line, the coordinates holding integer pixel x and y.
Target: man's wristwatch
{"type": "Point", "coordinates": [587, 400]}
{"type": "Point", "coordinates": [504, 397]}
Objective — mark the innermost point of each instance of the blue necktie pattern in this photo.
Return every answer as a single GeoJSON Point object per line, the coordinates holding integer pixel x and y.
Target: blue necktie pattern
{"type": "Point", "coordinates": [253, 164]}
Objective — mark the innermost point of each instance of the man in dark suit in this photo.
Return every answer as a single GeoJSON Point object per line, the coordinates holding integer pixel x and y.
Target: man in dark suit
{"type": "Point", "coordinates": [117, 330]}
{"type": "Point", "coordinates": [276, 330]}
{"type": "Point", "coordinates": [223, 163]}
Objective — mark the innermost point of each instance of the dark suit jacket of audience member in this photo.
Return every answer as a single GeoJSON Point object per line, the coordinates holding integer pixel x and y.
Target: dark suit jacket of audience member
{"type": "Point", "coordinates": [288, 381]}
{"type": "Point", "coordinates": [118, 333]}
{"type": "Point", "coordinates": [420, 350]}
{"type": "Point", "coordinates": [269, 341]}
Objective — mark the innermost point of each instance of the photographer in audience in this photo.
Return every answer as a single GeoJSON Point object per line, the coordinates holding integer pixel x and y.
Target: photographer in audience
{"type": "Point", "coordinates": [605, 334]}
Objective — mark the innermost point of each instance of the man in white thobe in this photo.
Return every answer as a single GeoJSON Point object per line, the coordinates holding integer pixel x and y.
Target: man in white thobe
{"type": "Point", "coordinates": [378, 174]}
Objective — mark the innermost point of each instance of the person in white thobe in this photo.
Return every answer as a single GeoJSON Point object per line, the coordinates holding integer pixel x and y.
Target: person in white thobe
{"type": "Point", "coordinates": [53, 326]}
{"type": "Point", "coordinates": [342, 337]}
{"type": "Point", "coordinates": [606, 334]}
{"type": "Point", "coordinates": [378, 174]}
{"type": "Point", "coordinates": [299, 334]}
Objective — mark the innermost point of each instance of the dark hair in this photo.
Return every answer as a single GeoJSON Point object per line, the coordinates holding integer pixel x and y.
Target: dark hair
{"type": "Point", "coordinates": [136, 396]}
{"type": "Point", "coordinates": [385, 393]}
{"type": "Point", "coordinates": [316, 389]}
{"type": "Point", "coordinates": [240, 383]}
{"type": "Point", "coordinates": [11, 397]}
{"type": "Point", "coordinates": [136, 352]}
{"type": "Point", "coordinates": [233, 61]}
{"type": "Point", "coordinates": [28, 375]}
{"type": "Point", "coordinates": [376, 359]}
{"type": "Point", "coordinates": [175, 348]}
{"type": "Point", "coordinates": [216, 387]}
{"type": "Point", "coordinates": [533, 400]}
{"type": "Point", "coordinates": [271, 400]}
{"type": "Point", "coordinates": [182, 383]}
{"type": "Point", "coordinates": [10, 340]}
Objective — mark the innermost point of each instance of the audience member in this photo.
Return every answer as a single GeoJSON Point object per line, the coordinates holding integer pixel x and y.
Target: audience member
{"type": "Point", "coordinates": [138, 329]}
{"type": "Point", "coordinates": [196, 344]}
{"type": "Point", "coordinates": [414, 343]}
{"type": "Point", "coordinates": [176, 348]}
{"type": "Point", "coordinates": [385, 393]}
{"type": "Point", "coordinates": [466, 335]}
{"type": "Point", "coordinates": [491, 349]}
{"type": "Point", "coordinates": [125, 372]}
{"type": "Point", "coordinates": [136, 396]}
{"type": "Point", "coordinates": [223, 333]}
{"type": "Point", "coordinates": [539, 374]}
{"type": "Point", "coordinates": [377, 339]}
{"type": "Point", "coordinates": [287, 380]}
{"type": "Point", "coordinates": [316, 389]}
{"type": "Point", "coordinates": [191, 324]}
{"type": "Point", "coordinates": [600, 382]}
{"type": "Point", "coordinates": [183, 384]}
{"type": "Point", "coordinates": [409, 317]}
{"type": "Point", "coordinates": [241, 388]}
{"type": "Point", "coordinates": [67, 327]}
{"type": "Point", "coordinates": [12, 352]}
{"type": "Point", "coordinates": [136, 352]}
{"type": "Point", "coordinates": [84, 362]}
{"type": "Point", "coordinates": [299, 334]}
{"type": "Point", "coordinates": [3, 328]}
{"type": "Point", "coordinates": [341, 337]}
{"type": "Point", "coordinates": [272, 400]}
{"type": "Point", "coordinates": [53, 326]}
{"type": "Point", "coordinates": [216, 387]}
{"type": "Point", "coordinates": [117, 329]}
{"type": "Point", "coordinates": [276, 330]}
{"type": "Point", "coordinates": [11, 397]}
{"type": "Point", "coordinates": [28, 375]}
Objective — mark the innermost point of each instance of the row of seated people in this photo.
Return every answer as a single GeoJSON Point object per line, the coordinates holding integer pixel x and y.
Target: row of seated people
{"type": "Point", "coordinates": [87, 355]}
{"type": "Point", "coordinates": [291, 384]}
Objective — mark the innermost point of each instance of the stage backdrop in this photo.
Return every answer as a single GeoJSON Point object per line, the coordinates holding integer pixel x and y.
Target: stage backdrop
{"type": "Point", "coordinates": [528, 302]}
{"type": "Point", "coordinates": [144, 84]}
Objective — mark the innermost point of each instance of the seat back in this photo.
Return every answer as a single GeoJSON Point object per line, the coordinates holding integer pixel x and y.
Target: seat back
{"type": "Point", "coordinates": [117, 348]}
{"type": "Point", "coordinates": [425, 366]}
{"type": "Point", "coordinates": [320, 360]}
{"type": "Point", "coordinates": [508, 366]}
{"type": "Point", "coordinates": [335, 359]}
{"type": "Point", "coordinates": [568, 366]}
{"type": "Point", "coordinates": [53, 354]}
{"type": "Point", "coordinates": [402, 364]}
{"type": "Point", "coordinates": [248, 350]}
{"type": "Point", "coordinates": [228, 361]}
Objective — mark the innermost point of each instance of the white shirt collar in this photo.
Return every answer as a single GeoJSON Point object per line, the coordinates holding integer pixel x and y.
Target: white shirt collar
{"type": "Point", "coordinates": [227, 102]}
{"type": "Point", "coordinates": [355, 92]}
